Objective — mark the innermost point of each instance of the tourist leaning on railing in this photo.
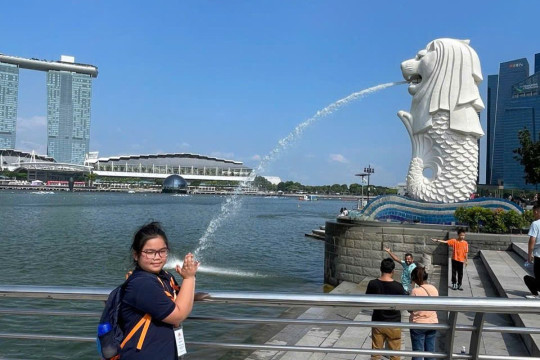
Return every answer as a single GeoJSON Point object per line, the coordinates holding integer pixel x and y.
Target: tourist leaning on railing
{"type": "Point", "coordinates": [154, 295]}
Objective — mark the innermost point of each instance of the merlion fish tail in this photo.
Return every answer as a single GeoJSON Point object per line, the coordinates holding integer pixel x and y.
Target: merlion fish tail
{"type": "Point", "coordinates": [448, 154]}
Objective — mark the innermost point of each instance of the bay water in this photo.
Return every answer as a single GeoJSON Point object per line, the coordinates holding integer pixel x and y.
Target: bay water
{"type": "Point", "coordinates": [83, 240]}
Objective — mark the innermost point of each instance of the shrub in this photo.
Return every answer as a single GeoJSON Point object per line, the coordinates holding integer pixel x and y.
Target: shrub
{"type": "Point", "coordinates": [495, 221]}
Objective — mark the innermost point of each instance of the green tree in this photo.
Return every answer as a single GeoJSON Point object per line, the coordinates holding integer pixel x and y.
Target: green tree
{"type": "Point", "coordinates": [263, 184]}
{"type": "Point", "coordinates": [528, 155]}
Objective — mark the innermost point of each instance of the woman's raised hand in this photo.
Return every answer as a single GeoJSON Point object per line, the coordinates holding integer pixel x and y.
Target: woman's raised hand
{"type": "Point", "coordinates": [189, 267]}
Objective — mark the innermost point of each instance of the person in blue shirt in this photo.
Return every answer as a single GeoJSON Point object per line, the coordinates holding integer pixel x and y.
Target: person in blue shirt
{"type": "Point", "coordinates": [408, 266]}
{"type": "Point", "coordinates": [152, 298]}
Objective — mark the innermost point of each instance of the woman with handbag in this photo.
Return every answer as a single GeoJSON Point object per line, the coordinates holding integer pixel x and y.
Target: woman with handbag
{"type": "Point", "coordinates": [423, 339]}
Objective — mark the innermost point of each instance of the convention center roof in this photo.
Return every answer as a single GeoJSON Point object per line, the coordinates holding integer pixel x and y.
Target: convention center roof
{"type": "Point", "coordinates": [174, 159]}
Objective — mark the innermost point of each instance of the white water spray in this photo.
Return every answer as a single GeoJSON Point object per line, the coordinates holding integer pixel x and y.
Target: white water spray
{"type": "Point", "coordinates": [232, 204]}
{"type": "Point", "coordinates": [203, 269]}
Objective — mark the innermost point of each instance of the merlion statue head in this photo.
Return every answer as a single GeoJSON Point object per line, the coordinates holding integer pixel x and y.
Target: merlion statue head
{"type": "Point", "coordinates": [445, 76]}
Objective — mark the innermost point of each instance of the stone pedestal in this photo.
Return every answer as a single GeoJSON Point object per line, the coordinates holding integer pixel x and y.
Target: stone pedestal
{"type": "Point", "coordinates": [355, 249]}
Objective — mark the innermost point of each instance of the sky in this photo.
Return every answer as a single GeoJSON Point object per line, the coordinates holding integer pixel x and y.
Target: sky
{"type": "Point", "coordinates": [230, 79]}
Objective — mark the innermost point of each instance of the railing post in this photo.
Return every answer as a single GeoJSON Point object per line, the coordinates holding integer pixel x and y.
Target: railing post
{"type": "Point", "coordinates": [452, 321]}
{"type": "Point", "coordinates": [476, 335]}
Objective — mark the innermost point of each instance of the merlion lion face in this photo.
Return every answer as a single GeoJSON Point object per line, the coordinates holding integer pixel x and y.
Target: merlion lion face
{"type": "Point", "coordinates": [417, 71]}
{"type": "Point", "coordinates": [444, 77]}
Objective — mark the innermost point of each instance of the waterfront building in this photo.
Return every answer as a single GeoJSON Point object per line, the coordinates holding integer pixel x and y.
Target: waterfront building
{"type": "Point", "coordinates": [513, 105]}
{"type": "Point", "coordinates": [69, 90]}
{"type": "Point", "coordinates": [40, 167]}
{"type": "Point", "coordinates": [160, 166]}
{"type": "Point", "coordinates": [9, 89]}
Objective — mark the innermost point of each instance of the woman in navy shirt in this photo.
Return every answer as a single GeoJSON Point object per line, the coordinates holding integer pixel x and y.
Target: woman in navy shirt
{"type": "Point", "coordinates": [153, 303]}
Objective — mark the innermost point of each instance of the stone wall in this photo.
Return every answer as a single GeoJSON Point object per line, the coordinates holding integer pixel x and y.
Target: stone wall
{"type": "Point", "coordinates": [354, 250]}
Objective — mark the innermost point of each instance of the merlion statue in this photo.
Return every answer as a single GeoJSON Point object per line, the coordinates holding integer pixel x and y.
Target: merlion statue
{"type": "Point", "coordinates": [444, 123]}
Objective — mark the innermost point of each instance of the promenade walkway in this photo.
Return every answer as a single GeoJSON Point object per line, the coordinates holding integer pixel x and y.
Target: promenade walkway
{"type": "Point", "coordinates": [477, 282]}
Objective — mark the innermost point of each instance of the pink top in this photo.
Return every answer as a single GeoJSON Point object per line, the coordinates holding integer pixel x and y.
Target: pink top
{"type": "Point", "coordinates": [424, 317]}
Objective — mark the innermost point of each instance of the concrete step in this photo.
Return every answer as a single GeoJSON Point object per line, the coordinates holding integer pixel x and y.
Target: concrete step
{"type": "Point", "coordinates": [521, 249]}
{"type": "Point", "coordinates": [477, 283]}
{"type": "Point", "coordinates": [506, 270]}
{"type": "Point", "coordinates": [319, 232]}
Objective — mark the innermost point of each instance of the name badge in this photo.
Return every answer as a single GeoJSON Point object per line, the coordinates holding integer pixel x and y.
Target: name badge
{"type": "Point", "coordinates": [180, 344]}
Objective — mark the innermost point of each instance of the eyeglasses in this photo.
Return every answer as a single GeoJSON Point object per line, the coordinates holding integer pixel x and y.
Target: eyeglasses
{"type": "Point", "coordinates": [151, 254]}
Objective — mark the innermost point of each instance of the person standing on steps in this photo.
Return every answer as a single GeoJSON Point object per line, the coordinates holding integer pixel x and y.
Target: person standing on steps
{"type": "Point", "coordinates": [533, 283]}
{"type": "Point", "coordinates": [408, 266]}
{"type": "Point", "coordinates": [460, 249]}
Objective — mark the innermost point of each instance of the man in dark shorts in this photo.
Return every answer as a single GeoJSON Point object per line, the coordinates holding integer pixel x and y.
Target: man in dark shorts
{"type": "Point", "coordinates": [385, 285]}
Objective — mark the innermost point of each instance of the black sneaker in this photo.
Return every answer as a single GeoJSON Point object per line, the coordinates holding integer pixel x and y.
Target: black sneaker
{"type": "Point", "coordinates": [454, 287]}
{"type": "Point", "coordinates": [459, 287]}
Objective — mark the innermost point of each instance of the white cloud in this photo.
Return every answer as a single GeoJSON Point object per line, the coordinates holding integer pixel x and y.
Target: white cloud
{"type": "Point", "coordinates": [219, 154]}
{"type": "Point", "coordinates": [338, 158]}
{"type": "Point", "coordinates": [32, 134]}
{"type": "Point", "coordinates": [33, 123]}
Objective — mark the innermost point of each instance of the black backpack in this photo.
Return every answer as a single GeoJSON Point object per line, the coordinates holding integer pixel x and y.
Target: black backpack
{"type": "Point", "coordinates": [110, 343]}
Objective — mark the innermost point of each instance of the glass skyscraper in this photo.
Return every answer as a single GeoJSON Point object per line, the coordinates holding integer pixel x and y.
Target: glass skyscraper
{"type": "Point", "coordinates": [513, 105]}
{"type": "Point", "coordinates": [68, 116]}
{"type": "Point", "coordinates": [9, 89]}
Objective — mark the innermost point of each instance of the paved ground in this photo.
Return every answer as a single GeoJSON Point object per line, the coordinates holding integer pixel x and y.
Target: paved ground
{"type": "Point", "coordinates": [476, 283]}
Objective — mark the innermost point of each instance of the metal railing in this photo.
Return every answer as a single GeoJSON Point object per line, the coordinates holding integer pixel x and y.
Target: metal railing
{"type": "Point", "coordinates": [479, 306]}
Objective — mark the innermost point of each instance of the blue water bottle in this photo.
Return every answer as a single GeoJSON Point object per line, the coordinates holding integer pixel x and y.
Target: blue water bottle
{"type": "Point", "coordinates": [106, 344]}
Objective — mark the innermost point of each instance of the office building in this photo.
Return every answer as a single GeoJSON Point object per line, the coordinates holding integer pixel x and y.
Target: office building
{"type": "Point", "coordinates": [513, 105]}
{"type": "Point", "coordinates": [9, 86]}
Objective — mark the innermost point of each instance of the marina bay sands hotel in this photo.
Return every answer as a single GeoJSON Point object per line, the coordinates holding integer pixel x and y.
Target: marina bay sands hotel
{"type": "Point", "coordinates": [69, 91]}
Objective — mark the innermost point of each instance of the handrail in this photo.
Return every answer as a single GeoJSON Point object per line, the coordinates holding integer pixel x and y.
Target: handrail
{"type": "Point", "coordinates": [388, 302]}
{"type": "Point", "coordinates": [480, 306]}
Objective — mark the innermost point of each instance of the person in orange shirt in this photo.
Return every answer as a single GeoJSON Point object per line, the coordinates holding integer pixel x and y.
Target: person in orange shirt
{"type": "Point", "coordinates": [460, 249]}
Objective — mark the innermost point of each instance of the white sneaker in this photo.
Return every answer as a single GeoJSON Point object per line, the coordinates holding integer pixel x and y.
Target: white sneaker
{"type": "Point", "coordinates": [531, 296]}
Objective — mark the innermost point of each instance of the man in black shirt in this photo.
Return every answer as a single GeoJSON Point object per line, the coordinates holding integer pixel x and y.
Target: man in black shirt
{"type": "Point", "coordinates": [386, 285]}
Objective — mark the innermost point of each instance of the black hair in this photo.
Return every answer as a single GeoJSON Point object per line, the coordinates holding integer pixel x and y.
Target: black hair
{"type": "Point", "coordinates": [536, 206]}
{"type": "Point", "coordinates": [145, 233]}
{"type": "Point", "coordinates": [461, 230]}
{"type": "Point", "coordinates": [387, 266]}
{"type": "Point", "coordinates": [419, 275]}
{"type": "Point", "coordinates": [409, 254]}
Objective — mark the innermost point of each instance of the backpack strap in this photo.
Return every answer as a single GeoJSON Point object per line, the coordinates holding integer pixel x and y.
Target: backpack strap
{"type": "Point", "coordinates": [145, 320]}
{"type": "Point", "coordinates": [174, 287]}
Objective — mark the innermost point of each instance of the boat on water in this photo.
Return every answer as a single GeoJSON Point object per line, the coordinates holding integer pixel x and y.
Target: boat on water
{"type": "Point", "coordinates": [43, 192]}
{"type": "Point", "coordinates": [307, 197]}
{"type": "Point", "coordinates": [183, 195]}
